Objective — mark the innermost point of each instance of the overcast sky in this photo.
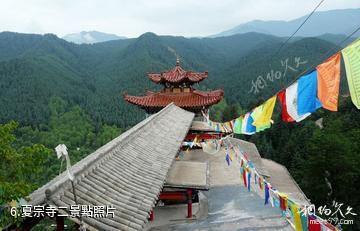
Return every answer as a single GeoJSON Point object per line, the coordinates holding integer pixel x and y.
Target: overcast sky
{"type": "Point", "coordinates": [164, 17]}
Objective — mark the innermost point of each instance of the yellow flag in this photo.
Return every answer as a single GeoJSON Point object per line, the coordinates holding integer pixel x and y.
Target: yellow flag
{"type": "Point", "coordinates": [296, 213]}
{"type": "Point", "coordinates": [351, 55]}
{"type": "Point", "coordinates": [262, 114]}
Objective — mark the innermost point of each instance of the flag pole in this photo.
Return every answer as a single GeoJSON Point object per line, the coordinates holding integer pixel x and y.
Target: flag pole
{"type": "Point", "coordinates": [62, 152]}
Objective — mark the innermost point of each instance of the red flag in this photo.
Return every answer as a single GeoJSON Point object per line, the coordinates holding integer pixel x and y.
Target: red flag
{"type": "Point", "coordinates": [244, 177]}
{"type": "Point", "coordinates": [284, 114]}
{"type": "Point", "coordinates": [283, 202]}
{"type": "Point", "coordinates": [313, 224]}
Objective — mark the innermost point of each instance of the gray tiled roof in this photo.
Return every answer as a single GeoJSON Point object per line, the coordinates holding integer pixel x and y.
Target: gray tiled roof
{"type": "Point", "coordinates": [127, 173]}
{"type": "Point", "coordinates": [188, 174]}
{"type": "Point", "coordinates": [202, 126]}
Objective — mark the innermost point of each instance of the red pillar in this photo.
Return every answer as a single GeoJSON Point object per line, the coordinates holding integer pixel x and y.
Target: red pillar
{"type": "Point", "coordinates": [189, 205]}
{"type": "Point", "coordinates": [59, 223]}
{"type": "Point", "coordinates": [151, 215]}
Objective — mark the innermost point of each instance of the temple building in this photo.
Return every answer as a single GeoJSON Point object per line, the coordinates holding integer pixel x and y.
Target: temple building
{"type": "Point", "coordinates": [177, 88]}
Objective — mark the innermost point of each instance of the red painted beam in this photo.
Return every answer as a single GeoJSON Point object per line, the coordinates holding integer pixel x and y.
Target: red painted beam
{"type": "Point", "coordinates": [204, 136]}
{"type": "Point", "coordinates": [179, 196]}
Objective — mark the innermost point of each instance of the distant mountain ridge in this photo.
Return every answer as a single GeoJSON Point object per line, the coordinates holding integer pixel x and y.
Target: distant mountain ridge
{"type": "Point", "coordinates": [35, 68]}
{"type": "Point", "coordinates": [90, 37]}
{"type": "Point", "coordinates": [342, 21]}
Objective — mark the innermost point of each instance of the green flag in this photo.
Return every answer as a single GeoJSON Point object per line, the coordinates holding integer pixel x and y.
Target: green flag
{"type": "Point", "coordinates": [237, 125]}
{"type": "Point", "coordinates": [351, 55]}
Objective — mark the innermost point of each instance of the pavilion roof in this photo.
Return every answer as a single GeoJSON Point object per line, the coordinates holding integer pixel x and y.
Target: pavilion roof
{"type": "Point", "coordinates": [190, 99]}
{"type": "Point", "coordinates": [128, 172]}
{"type": "Point", "coordinates": [188, 174]}
{"type": "Point", "coordinates": [178, 75]}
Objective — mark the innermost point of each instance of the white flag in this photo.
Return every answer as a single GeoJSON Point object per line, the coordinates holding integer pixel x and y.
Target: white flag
{"type": "Point", "coordinates": [61, 151]}
{"type": "Point", "coordinates": [291, 102]}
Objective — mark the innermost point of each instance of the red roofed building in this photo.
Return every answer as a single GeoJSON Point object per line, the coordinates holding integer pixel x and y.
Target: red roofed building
{"type": "Point", "coordinates": [178, 88]}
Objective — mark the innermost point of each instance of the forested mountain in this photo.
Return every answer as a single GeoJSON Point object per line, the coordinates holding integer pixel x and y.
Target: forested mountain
{"type": "Point", "coordinates": [61, 92]}
{"type": "Point", "coordinates": [35, 68]}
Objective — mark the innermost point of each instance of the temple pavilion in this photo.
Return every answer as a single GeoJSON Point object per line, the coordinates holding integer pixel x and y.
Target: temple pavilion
{"type": "Point", "coordinates": [177, 88]}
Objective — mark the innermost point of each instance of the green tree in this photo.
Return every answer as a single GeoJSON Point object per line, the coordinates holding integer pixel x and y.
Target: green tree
{"type": "Point", "coordinates": [106, 134]}
{"type": "Point", "coordinates": [19, 167]}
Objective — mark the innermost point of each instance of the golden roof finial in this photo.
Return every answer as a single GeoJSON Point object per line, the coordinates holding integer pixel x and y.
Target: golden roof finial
{"type": "Point", "coordinates": [177, 60]}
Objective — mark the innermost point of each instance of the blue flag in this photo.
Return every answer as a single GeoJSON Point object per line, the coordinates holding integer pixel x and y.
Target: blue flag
{"type": "Point", "coordinates": [307, 101]}
{"type": "Point", "coordinates": [250, 164]}
{"type": "Point", "coordinates": [248, 182]}
{"type": "Point", "coordinates": [267, 194]}
{"type": "Point", "coordinates": [250, 128]}
{"type": "Point", "coordinates": [227, 158]}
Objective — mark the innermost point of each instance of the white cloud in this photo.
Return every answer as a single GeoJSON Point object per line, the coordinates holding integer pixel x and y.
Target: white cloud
{"type": "Point", "coordinates": [132, 18]}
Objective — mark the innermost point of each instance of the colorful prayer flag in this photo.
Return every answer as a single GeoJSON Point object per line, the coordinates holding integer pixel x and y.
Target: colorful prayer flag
{"type": "Point", "coordinates": [291, 102]}
{"type": "Point", "coordinates": [244, 177]}
{"type": "Point", "coordinates": [217, 127]}
{"type": "Point", "coordinates": [260, 183]}
{"type": "Point", "coordinates": [262, 114]}
{"type": "Point", "coordinates": [230, 155]}
{"type": "Point", "coordinates": [283, 201]}
{"type": "Point", "coordinates": [328, 82]}
{"type": "Point", "coordinates": [238, 125]}
{"type": "Point", "coordinates": [304, 221]}
{"type": "Point", "coordinates": [284, 114]}
{"type": "Point", "coordinates": [276, 202]}
{"type": "Point", "coordinates": [307, 94]}
{"type": "Point", "coordinates": [250, 163]}
{"type": "Point", "coordinates": [227, 158]}
{"type": "Point", "coordinates": [313, 223]}
{"type": "Point", "coordinates": [232, 124]}
{"type": "Point", "coordinates": [248, 180]}
{"type": "Point", "coordinates": [247, 127]}
{"type": "Point", "coordinates": [274, 198]}
{"type": "Point", "coordinates": [267, 194]}
{"type": "Point", "coordinates": [351, 56]}
{"type": "Point", "coordinates": [296, 216]}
